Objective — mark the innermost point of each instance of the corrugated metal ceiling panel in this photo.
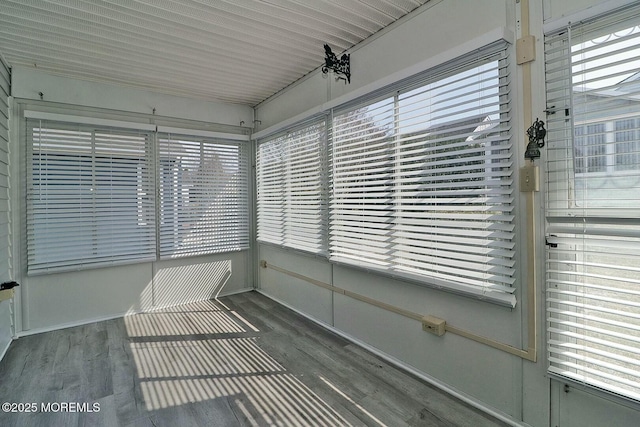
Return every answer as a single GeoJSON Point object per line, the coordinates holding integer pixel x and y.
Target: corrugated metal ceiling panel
{"type": "Point", "coordinates": [239, 51]}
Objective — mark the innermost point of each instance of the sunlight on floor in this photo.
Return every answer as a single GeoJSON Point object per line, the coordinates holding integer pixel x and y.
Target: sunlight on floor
{"type": "Point", "coordinates": [202, 351]}
{"type": "Point", "coordinates": [347, 398]}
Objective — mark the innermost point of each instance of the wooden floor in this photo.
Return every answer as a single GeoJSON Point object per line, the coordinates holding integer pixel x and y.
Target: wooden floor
{"type": "Point", "coordinates": [242, 360]}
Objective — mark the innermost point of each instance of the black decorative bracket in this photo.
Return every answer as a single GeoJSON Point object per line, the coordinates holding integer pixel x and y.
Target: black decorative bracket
{"type": "Point", "coordinates": [342, 66]}
{"type": "Point", "coordinates": [536, 133]}
{"type": "Point", "coordinates": [8, 285]}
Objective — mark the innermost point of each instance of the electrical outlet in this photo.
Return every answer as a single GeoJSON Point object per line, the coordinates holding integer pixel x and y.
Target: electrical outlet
{"type": "Point", "coordinates": [529, 179]}
{"type": "Point", "coordinates": [433, 324]}
{"type": "Point", "coordinates": [263, 263]}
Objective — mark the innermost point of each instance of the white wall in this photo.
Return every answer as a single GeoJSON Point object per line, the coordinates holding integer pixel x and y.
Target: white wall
{"type": "Point", "coordinates": [415, 40]}
{"type": "Point", "coordinates": [28, 83]}
{"type": "Point", "coordinates": [6, 332]}
{"type": "Point", "coordinates": [440, 29]}
{"type": "Point", "coordinates": [519, 390]}
{"type": "Point", "coordinates": [62, 299]}
{"type": "Point", "coordinates": [488, 375]}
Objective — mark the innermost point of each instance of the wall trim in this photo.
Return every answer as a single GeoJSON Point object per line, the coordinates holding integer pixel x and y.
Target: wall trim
{"type": "Point", "coordinates": [6, 349]}
{"type": "Point", "coordinates": [31, 114]}
{"type": "Point", "coordinates": [529, 354]}
{"type": "Point", "coordinates": [37, 331]}
{"type": "Point", "coordinates": [4, 62]}
{"type": "Point", "coordinates": [204, 133]}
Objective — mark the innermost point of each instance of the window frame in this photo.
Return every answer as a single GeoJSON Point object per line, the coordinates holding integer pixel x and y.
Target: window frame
{"type": "Point", "coordinates": [294, 182]}
{"type": "Point", "coordinates": [503, 296]}
{"type": "Point", "coordinates": [592, 226]}
{"type": "Point", "coordinates": [149, 215]}
{"type": "Point", "coordinates": [189, 163]}
{"type": "Point", "coordinates": [85, 202]}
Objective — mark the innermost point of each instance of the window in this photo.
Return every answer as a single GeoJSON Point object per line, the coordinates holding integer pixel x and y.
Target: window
{"type": "Point", "coordinates": [89, 196]}
{"type": "Point", "coordinates": [292, 196]}
{"type": "Point", "coordinates": [590, 148]}
{"type": "Point", "coordinates": [422, 181]}
{"type": "Point", "coordinates": [101, 195]}
{"type": "Point", "coordinates": [5, 222]}
{"type": "Point", "coordinates": [593, 183]}
{"type": "Point", "coordinates": [627, 147]}
{"type": "Point", "coordinates": [203, 190]}
{"type": "Point", "coordinates": [607, 147]}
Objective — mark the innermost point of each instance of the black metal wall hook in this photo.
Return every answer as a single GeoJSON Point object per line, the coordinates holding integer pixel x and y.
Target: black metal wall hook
{"type": "Point", "coordinates": [536, 133]}
{"type": "Point", "coordinates": [8, 285]}
{"type": "Point", "coordinates": [342, 66]}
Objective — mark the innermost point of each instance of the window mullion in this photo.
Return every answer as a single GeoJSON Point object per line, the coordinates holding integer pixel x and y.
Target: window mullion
{"type": "Point", "coordinates": [326, 181]}
{"type": "Point", "coordinates": [287, 214]}
{"type": "Point", "coordinates": [94, 225]}
{"type": "Point", "coordinates": [155, 166]}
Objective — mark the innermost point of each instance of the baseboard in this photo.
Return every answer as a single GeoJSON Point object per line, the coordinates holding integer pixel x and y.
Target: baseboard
{"type": "Point", "coordinates": [408, 368]}
{"type": "Point", "coordinates": [236, 292]}
{"type": "Point", "coordinates": [3, 352]}
{"type": "Point", "coordinates": [69, 325]}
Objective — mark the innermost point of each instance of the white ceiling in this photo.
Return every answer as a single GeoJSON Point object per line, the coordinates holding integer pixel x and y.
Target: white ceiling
{"type": "Point", "coordinates": [239, 51]}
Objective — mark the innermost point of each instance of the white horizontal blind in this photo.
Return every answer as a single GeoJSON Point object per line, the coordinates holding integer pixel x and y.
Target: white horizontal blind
{"type": "Point", "coordinates": [270, 177]}
{"type": "Point", "coordinates": [361, 209]}
{"type": "Point", "coordinates": [5, 227]}
{"type": "Point", "coordinates": [423, 181]}
{"type": "Point", "coordinates": [89, 196]}
{"type": "Point", "coordinates": [292, 196]}
{"type": "Point", "coordinates": [203, 195]}
{"type": "Point", "coordinates": [593, 203]}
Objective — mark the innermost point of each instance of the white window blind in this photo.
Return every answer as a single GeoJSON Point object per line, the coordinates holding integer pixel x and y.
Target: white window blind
{"type": "Point", "coordinates": [593, 203]}
{"type": "Point", "coordinates": [89, 196]}
{"type": "Point", "coordinates": [203, 195]}
{"type": "Point", "coordinates": [270, 177]}
{"type": "Point", "coordinates": [5, 223]}
{"type": "Point", "coordinates": [292, 196]}
{"type": "Point", "coordinates": [422, 181]}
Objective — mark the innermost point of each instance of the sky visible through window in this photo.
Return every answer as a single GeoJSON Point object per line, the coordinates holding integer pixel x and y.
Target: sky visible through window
{"type": "Point", "coordinates": [607, 61]}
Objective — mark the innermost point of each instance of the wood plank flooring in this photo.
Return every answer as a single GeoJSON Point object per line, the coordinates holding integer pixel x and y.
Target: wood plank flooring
{"type": "Point", "coordinates": [241, 361]}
